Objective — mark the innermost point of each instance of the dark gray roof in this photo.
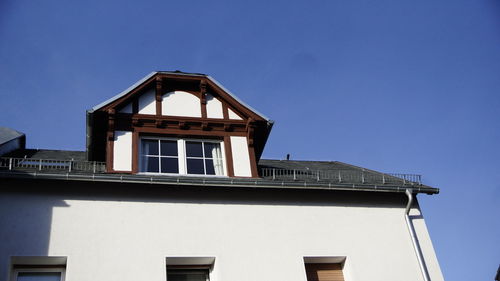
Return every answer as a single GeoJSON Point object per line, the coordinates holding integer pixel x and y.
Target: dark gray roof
{"type": "Point", "coordinates": [330, 175]}
{"type": "Point", "coordinates": [8, 134]}
{"type": "Point", "coordinates": [48, 154]}
{"type": "Point", "coordinates": [306, 165]}
{"type": "Point", "coordinates": [333, 172]}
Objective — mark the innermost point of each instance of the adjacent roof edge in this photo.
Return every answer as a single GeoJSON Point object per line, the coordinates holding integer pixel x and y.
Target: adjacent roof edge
{"type": "Point", "coordinates": [7, 134]}
{"type": "Point", "coordinates": [144, 79]}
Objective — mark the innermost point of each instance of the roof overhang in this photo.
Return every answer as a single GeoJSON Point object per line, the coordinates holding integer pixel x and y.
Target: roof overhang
{"type": "Point", "coordinates": [215, 182]}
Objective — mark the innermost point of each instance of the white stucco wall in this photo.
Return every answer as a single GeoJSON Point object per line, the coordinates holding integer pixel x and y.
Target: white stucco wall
{"type": "Point", "coordinates": [180, 103]}
{"type": "Point", "coordinates": [122, 151]}
{"type": "Point", "coordinates": [241, 157]}
{"type": "Point", "coordinates": [147, 103]}
{"type": "Point", "coordinates": [233, 115]}
{"type": "Point", "coordinates": [128, 239]}
{"type": "Point", "coordinates": [214, 107]}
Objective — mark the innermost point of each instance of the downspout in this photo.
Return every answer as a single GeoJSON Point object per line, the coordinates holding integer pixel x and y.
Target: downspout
{"type": "Point", "coordinates": [414, 239]}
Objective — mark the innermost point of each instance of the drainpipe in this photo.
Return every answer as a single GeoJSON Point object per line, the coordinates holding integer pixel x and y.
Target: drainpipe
{"type": "Point", "coordinates": [414, 239]}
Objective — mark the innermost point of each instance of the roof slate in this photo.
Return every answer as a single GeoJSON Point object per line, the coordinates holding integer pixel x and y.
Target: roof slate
{"type": "Point", "coordinates": [48, 154]}
{"type": "Point", "coordinates": [306, 170]}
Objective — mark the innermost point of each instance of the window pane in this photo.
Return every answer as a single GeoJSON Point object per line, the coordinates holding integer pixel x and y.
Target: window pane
{"type": "Point", "coordinates": [150, 164]}
{"type": "Point", "coordinates": [168, 148]}
{"type": "Point", "coordinates": [195, 166]}
{"type": "Point", "coordinates": [210, 167]}
{"type": "Point", "coordinates": [212, 149]}
{"type": "Point", "coordinates": [169, 165]}
{"type": "Point", "coordinates": [150, 147]}
{"type": "Point", "coordinates": [39, 276]}
{"type": "Point", "coordinates": [193, 149]}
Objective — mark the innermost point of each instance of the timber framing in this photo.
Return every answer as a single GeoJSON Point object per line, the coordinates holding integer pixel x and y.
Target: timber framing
{"type": "Point", "coordinates": [105, 120]}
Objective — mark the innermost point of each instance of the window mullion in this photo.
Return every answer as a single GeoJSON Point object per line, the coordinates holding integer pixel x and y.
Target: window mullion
{"type": "Point", "coordinates": [159, 156]}
{"type": "Point", "coordinates": [203, 157]}
{"type": "Point", "coordinates": [181, 147]}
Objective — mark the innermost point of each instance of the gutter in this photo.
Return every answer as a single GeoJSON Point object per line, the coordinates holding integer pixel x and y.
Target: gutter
{"type": "Point", "coordinates": [414, 239]}
{"type": "Point", "coordinates": [212, 182]}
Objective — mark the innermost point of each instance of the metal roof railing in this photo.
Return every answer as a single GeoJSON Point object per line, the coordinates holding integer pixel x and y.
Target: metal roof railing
{"type": "Point", "coordinates": [361, 176]}
{"type": "Point", "coordinates": [342, 176]}
{"type": "Point", "coordinates": [52, 165]}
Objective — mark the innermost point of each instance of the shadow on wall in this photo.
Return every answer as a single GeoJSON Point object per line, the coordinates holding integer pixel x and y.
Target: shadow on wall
{"type": "Point", "coordinates": [25, 221]}
{"type": "Point", "coordinates": [108, 191]}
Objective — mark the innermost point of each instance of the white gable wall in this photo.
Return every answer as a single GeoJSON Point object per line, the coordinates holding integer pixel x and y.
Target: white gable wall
{"type": "Point", "coordinates": [180, 103]}
{"type": "Point", "coordinates": [214, 107]}
{"type": "Point", "coordinates": [122, 151]}
{"type": "Point", "coordinates": [147, 103]}
{"type": "Point", "coordinates": [241, 157]}
{"type": "Point", "coordinates": [233, 115]}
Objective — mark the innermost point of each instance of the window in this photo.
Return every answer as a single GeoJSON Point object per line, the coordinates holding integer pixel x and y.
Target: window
{"type": "Point", "coordinates": [181, 156]}
{"type": "Point", "coordinates": [186, 274]}
{"type": "Point", "coordinates": [34, 268]}
{"type": "Point", "coordinates": [189, 268]}
{"type": "Point", "coordinates": [37, 273]}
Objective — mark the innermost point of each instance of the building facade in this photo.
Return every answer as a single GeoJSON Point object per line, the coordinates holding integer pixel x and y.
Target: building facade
{"type": "Point", "coordinates": [172, 187]}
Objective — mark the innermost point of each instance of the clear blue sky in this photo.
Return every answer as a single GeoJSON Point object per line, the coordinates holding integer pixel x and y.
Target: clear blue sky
{"type": "Point", "coordinates": [402, 86]}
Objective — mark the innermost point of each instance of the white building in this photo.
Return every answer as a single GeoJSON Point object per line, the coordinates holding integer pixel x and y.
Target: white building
{"type": "Point", "coordinates": [172, 187]}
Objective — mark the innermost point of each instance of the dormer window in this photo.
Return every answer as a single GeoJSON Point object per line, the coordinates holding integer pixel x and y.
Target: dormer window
{"type": "Point", "coordinates": [173, 123]}
{"type": "Point", "coordinates": [181, 156]}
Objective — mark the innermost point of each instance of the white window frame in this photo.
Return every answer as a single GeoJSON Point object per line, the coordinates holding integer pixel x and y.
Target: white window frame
{"type": "Point", "coordinates": [37, 269]}
{"type": "Point", "coordinates": [182, 157]}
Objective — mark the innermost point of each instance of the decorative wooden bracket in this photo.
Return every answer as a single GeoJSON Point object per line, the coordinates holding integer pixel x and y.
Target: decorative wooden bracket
{"type": "Point", "coordinates": [111, 119]}
{"type": "Point", "coordinates": [203, 91]}
{"type": "Point", "coordinates": [250, 124]}
{"type": "Point", "coordinates": [158, 95]}
{"type": "Point", "coordinates": [159, 123]}
{"type": "Point", "coordinates": [183, 125]}
{"type": "Point", "coordinates": [111, 135]}
{"type": "Point", "coordinates": [251, 135]}
{"type": "Point", "coordinates": [136, 122]}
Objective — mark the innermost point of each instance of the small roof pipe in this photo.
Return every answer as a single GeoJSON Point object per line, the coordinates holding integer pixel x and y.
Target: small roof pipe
{"type": "Point", "coordinates": [414, 239]}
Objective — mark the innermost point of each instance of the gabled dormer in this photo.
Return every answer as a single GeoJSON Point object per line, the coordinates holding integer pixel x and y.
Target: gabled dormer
{"type": "Point", "coordinates": [177, 123]}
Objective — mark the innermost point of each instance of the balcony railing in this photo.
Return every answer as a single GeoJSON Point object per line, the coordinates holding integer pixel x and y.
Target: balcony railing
{"type": "Point", "coordinates": [340, 176]}
{"type": "Point", "coordinates": [52, 165]}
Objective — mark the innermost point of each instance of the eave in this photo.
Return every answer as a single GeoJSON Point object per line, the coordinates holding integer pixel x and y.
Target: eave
{"type": "Point", "coordinates": [211, 182]}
